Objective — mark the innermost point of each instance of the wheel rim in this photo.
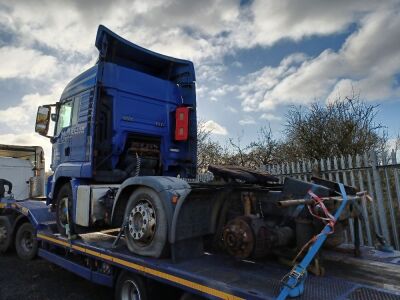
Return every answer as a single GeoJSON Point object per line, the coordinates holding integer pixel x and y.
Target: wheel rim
{"type": "Point", "coordinates": [63, 212]}
{"type": "Point", "coordinates": [130, 291]}
{"type": "Point", "coordinates": [27, 241]}
{"type": "Point", "coordinates": [142, 222]}
{"type": "Point", "coordinates": [3, 234]}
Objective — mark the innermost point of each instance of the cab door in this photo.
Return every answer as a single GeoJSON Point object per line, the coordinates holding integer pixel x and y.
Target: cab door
{"type": "Point", "coordinates": [62, 135]}
{"type": "Point", "coordinates": [80, 141]}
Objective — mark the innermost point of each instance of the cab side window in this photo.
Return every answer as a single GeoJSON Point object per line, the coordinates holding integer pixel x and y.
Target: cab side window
{"type": "Point", "coordinates": [64, 116]}
{"type": "Point", "coordinates": [75, 111]}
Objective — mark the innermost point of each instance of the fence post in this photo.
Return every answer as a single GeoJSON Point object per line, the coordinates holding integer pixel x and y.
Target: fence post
{"type": "Point", "coordinates": [303, 165]}
{"type": "Point", "coordinates": [396, 179]}
{"type": "Point", "coordinates": [372, 193]}
{"type": "Point", "coordinates": [310, 170]}
{"type": "Point", "coordinates": [329, 168]}
{"type": "Point", "coordinates": [285, 166]}
{"type": "Point", "coordinates": [350, 164]}
{"type": "Point", "coordinates": [298, 171]}
{"type": "Point", "coordinates": [292, 170]}
{"type": "Point", "coordinates": [363, 201]}
{"type": "Point", "coordinates": [390, 205]}
{"type": "Point", "coordinates": [335, 166]}
{"type": "Point", "coordinates": [353, 183]}
{"type": "Point", "coordinates": [322, 169]}
{"type": "Point", "coordinates": [315, 171]}
{"type": "Point", "coordinates": [379, 196]}
{"type": "Point", "coordinates": [343, 169]}
{"type": "Point", "coordinates": [344, 175]}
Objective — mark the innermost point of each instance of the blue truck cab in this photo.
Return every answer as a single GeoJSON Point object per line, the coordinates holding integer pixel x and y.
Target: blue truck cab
{"type": "Point", "coordinates": [133, 113]}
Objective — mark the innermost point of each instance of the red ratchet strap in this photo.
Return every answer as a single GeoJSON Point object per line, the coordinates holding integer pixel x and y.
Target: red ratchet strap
{"type": "Point", "coordinates": [329, 218]}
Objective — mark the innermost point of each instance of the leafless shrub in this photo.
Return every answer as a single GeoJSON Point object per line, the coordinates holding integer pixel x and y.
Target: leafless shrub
{"type": "Point", "coordinates": [342, 127]}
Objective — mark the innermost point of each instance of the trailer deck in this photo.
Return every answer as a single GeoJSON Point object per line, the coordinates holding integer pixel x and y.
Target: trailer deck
{"type": "Point", "coordinates": [214, 276]}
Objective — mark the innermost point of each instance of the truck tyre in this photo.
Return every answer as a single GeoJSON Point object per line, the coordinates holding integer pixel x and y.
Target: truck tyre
{"type": "Point", "coordinates": [5, 234]}
{"type": "Point", "coordinates": [146, 231]}
{"type": "Point", "coordinates": [26, 243]}
{"type": "Point", "coordinates": [63, 194]}
{"type": "Point", "coordinates": [130, 287]}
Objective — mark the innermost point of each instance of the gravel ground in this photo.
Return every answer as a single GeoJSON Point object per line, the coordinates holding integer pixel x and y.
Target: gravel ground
{"type": "Point", "coordinates": [39, 279]}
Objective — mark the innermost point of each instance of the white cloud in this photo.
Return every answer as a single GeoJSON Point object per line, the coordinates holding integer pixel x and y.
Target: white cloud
{"type": "Point", "coordinates": [247, 120]}
{"type": "Point", "coordinates": [368, 67]}
{"type": "Point", "coordinates": [237, 64]}
{"type": "Point", "coordinates": [255, 86]}
{"type": "Point", "coordinates": [231, 109]}
{"type": "Point", "coordinates": [21, 117]}
{"type": "Point", "coordinates": [25, 63]}
{"type": "Point", "coordinates": [188, 29]}
{"type": "Point", "coordinates": [270, 117]}
{"type": "Point", "coordinates": [272, 21]}
{"type": "Point", "coordinates": [210, 72]}
{"type": "Point", "coordinates": [215, 128]}
{"type": "Point", "coordinates": [219, 92]}
{"type": "Point", "coordinates": [175, 28]}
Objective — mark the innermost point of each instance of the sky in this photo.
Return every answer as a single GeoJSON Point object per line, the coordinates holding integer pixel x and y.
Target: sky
{"type": "Point", "coordinates": [253, 59]}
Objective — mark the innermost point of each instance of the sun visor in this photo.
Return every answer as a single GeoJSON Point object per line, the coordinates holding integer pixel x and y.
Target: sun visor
{"type": "Point", "coordinates": [113, 48]}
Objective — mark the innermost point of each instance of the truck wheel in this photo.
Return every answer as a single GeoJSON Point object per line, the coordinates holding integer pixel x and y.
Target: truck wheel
{"type": "Point", "coordinates": [146, 232]}
{"type": "Point", "coordinates": [130, 287]}
{"type": "Point", "coordinates": [64, 195]}
{"type": "Point", "coordinates": [26, 243]}
{"type": "Point", "coordinates": [5, 234]}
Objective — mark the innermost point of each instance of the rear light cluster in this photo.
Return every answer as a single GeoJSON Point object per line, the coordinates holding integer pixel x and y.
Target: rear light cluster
{"type": "Point", "coordinates": [182, 123]}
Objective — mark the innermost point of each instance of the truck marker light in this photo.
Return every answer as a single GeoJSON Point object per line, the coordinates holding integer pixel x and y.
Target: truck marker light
{"type": "Point", "coordinates": [182, 123]}
{"type": "Point", "coordinates": [175, 199]}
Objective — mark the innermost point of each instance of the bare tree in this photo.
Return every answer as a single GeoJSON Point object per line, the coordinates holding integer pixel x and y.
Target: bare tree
{"type": "Point", "coordinates": [263, 150]}
{"type": "Point", "coordinates": [208, 150]}
{"type": "Point", "coordinates": [397, 142]}
{"type": "Point", "coordinates": [239, 156]}
{"type": "Point", "coordinates": [344, 126]}
{"type": "Point", "coordinates": [256, 153]}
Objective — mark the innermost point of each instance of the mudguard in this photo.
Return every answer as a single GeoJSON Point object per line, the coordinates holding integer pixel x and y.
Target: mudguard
{"type": "Point", "coordinates": [165, 186]}
{"type": "Point", "coordinates": [189, 219]}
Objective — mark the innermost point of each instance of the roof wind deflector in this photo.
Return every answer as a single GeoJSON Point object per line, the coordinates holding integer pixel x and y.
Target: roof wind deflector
{"type": "Point", "coordinates": [115, 49]}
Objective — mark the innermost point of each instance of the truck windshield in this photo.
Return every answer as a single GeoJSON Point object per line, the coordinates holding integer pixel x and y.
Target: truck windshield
{"type": "Point", "coordinates": [64, 116]}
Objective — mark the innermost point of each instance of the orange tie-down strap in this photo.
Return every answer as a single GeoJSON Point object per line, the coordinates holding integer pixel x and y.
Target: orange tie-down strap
{"type": "Point", "coordinates": [190, 284]}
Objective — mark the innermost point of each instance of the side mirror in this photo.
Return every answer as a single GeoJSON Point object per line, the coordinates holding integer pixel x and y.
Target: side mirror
{"type": "Point", "coordinates": [43, 120]}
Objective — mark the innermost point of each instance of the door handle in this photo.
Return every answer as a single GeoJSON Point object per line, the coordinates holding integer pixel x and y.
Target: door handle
{"type": "Point", "coordinates": [67, 151]}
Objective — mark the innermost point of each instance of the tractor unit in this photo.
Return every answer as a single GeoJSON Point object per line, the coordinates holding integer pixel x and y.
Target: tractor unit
{"type": "Point", "coordinates": [125, 135]}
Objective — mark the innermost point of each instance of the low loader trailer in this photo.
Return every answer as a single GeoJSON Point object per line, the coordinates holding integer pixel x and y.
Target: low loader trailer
{"type": "Point", "coordinates": [97, 257]}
